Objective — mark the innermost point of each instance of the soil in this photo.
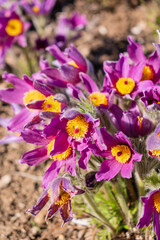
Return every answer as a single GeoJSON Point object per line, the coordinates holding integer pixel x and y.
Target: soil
{"type": "Point", "coordinates": [109, 24]}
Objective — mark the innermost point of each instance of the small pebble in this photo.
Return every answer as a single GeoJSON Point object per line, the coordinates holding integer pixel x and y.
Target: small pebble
{"type": "Point", "coordinates": [4, 181]}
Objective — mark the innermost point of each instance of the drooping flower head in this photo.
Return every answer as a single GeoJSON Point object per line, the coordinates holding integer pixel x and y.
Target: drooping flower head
{"type": "Point", "coordinates": [151, 207]}
{"type": "Point", "coordinates": [60, 193]}
{"type": "Point", "coordinates": [70, 64]}
{"type": "Point", "coordinates": [120, 156]}
{"type": "Point", "coordinates": [130, 122]}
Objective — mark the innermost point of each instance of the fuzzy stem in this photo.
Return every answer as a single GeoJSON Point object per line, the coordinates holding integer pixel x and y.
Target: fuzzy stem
{"type": "Point", "coordinates": [122, 201]}
{"type": "Point", "coordinates": [25, 51]}
{"type": "Point", "coordinates": [141, 192]}
{"type": "Point", "coordinates": [96, 212]}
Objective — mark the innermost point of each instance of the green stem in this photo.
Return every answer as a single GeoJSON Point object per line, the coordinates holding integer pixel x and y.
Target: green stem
{"type": "Point", "coordinates": [122, 202]}
{"type": "Point", "coordinates": [25, 51]}
{"type": "Point", "coordinates": [141, 192]}
{"type": "Point", "coordinates": [96, 212]}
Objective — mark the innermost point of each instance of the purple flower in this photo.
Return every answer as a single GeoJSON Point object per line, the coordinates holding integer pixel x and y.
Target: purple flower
{"type": "Point", "coordinates": [120, 156]}
{"type": "Point", "coordinates": [60, 193]}
{"type": "Point", "coordinates": [151, 207]}
{"type": "Point", "coordinates": [70, 64]}
{"type": "Point", "coordinates": [153, 143]}
{"type": "Point", "coordinates": [66, 158]}
{"type": "Point", "coordinates": [125, 78]}
{"type": "Point", "coordinates": [12, 29]}
{"type": "Point", "coordinates": [151, 70]}
{"type": "Point", "coordinates": [68, 28]}
{"type": "Point", "coordinates": [37, 7]}
{"type": "Point", "coordinates": [101, 99]}
{"type": "Point", "coordinates": [130, 122]}
{"type": "Point", "coordinates": [31, 95]}
{"type": "Point", "coordinates": [151, 98]}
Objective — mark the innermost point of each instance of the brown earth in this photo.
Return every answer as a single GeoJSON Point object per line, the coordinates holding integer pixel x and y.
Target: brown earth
{"type": "Point", "coordinates": [109, 24]}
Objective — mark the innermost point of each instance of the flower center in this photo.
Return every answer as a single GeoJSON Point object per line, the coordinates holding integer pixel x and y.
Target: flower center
{"type": "Point", "coordinates": [60, 156]}
{"type": "Point", "coordinates": [77, 127]}
{"type": "Point", "coordinates": [148, 73]}
{"type": "Point", "coordinates": [63, 198]}
{"type": "Point", "coordinates": [155, 153]}
{"type": "Point", "coordinates": [14, 27]}
{"type": "Point", "coordinates": [125, 85]}
{"type": "Point", "coordinates": [32, 96]}
{"type": "Point", "coordinates": [72, 63]}
{"type": "Point", "coordinates": [35, 9]}
{"type": "Point", "coordinates": [51, 105]}
{"type": "Point", "coordinates": [156, 199]}
{"type": "Point", "coordinates": [140, 119]}
{"type": "Point", "coordinates": [122, 153]}
{"type": "Point", "coordinates": [98, 98]}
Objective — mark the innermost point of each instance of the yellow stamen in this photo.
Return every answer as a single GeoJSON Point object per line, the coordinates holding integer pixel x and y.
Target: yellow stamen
{"type": "Point", "coordinates": [32, 96]}
{"type": "Point", "coordinates": [72, 63]}
{"type": "Point", "coordinates": [122, 153]}
{"type": "Point", "coordinates": [156, 199]}
{"type": "Point", "coordinates": [49, 193]}
{"type": "Point", "coordinates": [60, 156]}
{"type": "Point", "coordinates": [51, 105]}
{"type": "Point", "coordinates": [35, 9]}
{"type": "Point", "coordinates": [14, 27]}
{"type": "Point", "coordinates": [98, 98]}
{"type": "Point", "coordinates": [140, 119]}
{"type": "Point", "coordinates": [148, 73]}
{"type": "Point", "coordinates": [125, 85]}
{"type": "Point", "coordinates": [63, 198]}
{"type": "Point", "coordinates": [77, 127]}
{"type": "Point", "coordinates": [155, 153]}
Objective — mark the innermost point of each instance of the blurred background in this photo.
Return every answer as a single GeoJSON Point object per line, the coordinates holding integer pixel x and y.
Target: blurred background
{"type": "Point", "coordinates": [109, 22]}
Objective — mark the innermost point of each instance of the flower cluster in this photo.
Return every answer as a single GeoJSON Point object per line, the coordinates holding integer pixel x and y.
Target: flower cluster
{"type": "Point", "coordinates": [76, 123]}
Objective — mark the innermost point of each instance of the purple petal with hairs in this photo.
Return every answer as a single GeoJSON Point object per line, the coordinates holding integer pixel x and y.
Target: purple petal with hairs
{"type": "Point", "coordinates": [35, 156]}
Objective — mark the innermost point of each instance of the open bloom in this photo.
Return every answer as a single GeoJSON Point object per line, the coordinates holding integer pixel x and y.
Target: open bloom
{"type": "Point", "coordinates": [151, 70]}
{"type": "Point", "coordinates": [12, 29]}
{"type": "Point", "coordinates": [101, 99]}
{"type": "Point", "coordinates": [38, 7]}
{"type": "Point", "coordinates": [120, 156]}
{"type": "Point", "coordinates": [151, 207]}
{"type": "Point", "coordinates": [65, 158]}
{"type": "Point", "coordinates": [126, 78]}
{"type": "Point", "coordinates": [31, 95]}
{"type": "Point", "coordinates": [60, 193]}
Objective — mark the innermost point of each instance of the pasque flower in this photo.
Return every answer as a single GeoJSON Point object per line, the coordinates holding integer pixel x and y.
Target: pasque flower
{"type": "Point", "coordinates": [60, 193]}
{"type": "Point", "coordinates": [126, 78]}
{"type": "Point", "coordinates": [151, 70]}
{"type": "Point", "coordinates": [31, 95]}
{"type": "Point", "coordinates": [38, 7]}
{"type": "Point", "coordinates": [120, 156]}
{"type": "Point", "coordinates": [153, 143]}
{"type": "Point", "coordinates": [70, 64]}
{"type": "Point", "coordinates": [151, 98]}
{"type": "Point", "coordinates": [12, 29]}
{"type": "Point", "coordinates": [130, 122]}
{"type": "Point", "coordinates": [65, 158]}
{"type": "Point", "coordinates": [151, 207]}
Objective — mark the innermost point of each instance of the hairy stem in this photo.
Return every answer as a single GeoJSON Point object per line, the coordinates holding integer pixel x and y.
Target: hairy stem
{"type": "Point", "coordinates": [96, 212]}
